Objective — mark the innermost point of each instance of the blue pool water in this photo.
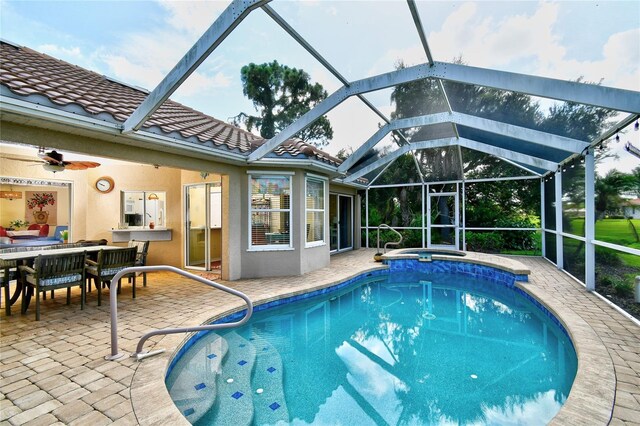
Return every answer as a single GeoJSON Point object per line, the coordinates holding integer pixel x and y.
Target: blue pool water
{"type": "Point", "coordinates": [400, 348]}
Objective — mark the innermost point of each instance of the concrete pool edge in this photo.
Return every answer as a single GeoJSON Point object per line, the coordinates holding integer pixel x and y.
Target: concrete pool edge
{"type": "Point", "coordinates": [590, 401]}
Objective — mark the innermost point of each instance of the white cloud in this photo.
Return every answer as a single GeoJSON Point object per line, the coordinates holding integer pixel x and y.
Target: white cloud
{"type": "Point", "coordinates": [533, 39]}
{"type": "Point", "coordinates": [193, 17]}
{"type": "Point", "coordinates": [145, 58]}
{"type": "Point", "coordinates": [60, 52]}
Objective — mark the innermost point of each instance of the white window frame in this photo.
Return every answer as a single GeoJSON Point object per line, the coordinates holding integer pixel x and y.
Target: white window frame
{"type": "Point", "coordinates": [270, 247]}
{"type": "Point", "coordinates": [323, 210]}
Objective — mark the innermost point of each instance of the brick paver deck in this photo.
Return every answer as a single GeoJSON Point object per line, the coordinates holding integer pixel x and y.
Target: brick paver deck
{"type": "Point", "coordinates": [53, 371]}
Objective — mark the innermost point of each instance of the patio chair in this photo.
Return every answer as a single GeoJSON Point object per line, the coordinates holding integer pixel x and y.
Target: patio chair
{"type": "Point", "coordinates": [8, 273]}
{"type": "Point", "coordinates": [109, 263]}
{"type": "Point", "coordinates": [141, 258]}
{"type": "Point", "coordinates": [51, 272]}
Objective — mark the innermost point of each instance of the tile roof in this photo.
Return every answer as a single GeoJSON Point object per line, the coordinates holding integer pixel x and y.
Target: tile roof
{"type": "Point", "coordinates": [28, 73]}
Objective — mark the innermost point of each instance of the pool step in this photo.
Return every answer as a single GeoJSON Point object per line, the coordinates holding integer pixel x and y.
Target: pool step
{"type": "Point", "coordinates": [234, 404]}
{"type": "Point", "coordinates": [193, 388]}
{"type": "Point", "coordinates": [270, 405]}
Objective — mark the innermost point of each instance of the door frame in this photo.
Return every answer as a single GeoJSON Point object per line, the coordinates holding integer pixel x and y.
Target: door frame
{"type": "Point", "coordinates": [456, 224]}
{"type": "Point", "coordinates": [351, 230]}
{"type": "Point", "coordinates": [207, 234]}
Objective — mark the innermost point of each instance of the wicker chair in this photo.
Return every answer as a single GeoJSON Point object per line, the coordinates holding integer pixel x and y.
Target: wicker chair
{"type": "Point", "coordinates": [141, 258]}
{"type": "Point", "coordinates": [51, 272]}
{"type": "Point", "coordinates": [109, 263]}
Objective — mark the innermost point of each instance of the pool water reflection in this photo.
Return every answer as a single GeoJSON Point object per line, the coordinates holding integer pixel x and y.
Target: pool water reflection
{"type": "Point", "coordinates": [406, 349]}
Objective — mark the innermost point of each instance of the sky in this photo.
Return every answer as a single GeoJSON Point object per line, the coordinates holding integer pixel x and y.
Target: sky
{"type": "Point", "coordinates": [139, 42]}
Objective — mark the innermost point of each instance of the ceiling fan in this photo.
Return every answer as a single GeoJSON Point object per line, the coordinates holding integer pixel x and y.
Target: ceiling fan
{"type": "Point", "coordinates": [53, 161]}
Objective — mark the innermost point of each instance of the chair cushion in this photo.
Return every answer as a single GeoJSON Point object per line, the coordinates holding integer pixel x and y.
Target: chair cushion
{"type": "Point", "coordinates": [63, 279]}
{"type": "Point", "coordinates": [93, 270]}
{"type": "Point", "coordinates": [12, 276]}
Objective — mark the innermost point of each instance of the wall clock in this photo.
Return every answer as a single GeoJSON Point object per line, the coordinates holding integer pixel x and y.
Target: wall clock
{"type": "Point", "coordinates": [104, 184]}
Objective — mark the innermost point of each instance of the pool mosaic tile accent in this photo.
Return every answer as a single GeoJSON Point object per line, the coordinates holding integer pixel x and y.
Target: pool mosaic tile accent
{"type": "Point", "coordinates": [211, 356]}
{"type": "Point", "coordinates": [237, 395]}
{"type": "Point", "coordinates": [200, 386]}
{"type": "Point", "coordinates": [448, 266]}
{"type": "Point", "coordinates": [545, 311]}
{"type": "Point", "coordinates": [274, 406]}
{"type": "Point", "coordinates": [271, 369]}
{"type": "Point", "coordinates": [242, 362]}
{"type": "Point", "coordinates": [188, 411]}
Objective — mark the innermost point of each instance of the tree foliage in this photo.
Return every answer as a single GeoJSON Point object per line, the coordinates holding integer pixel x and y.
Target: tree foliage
{"type": "Point", "coordinates": [282, 94]}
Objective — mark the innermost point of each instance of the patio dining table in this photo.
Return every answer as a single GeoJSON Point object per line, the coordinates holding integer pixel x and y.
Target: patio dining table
{"type": "Point", "coordinates": [23, 256]}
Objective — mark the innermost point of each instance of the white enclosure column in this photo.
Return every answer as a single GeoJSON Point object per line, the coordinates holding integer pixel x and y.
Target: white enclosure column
{"type": "Point", "coordinates": [559, 230]}
{"type": "Point", "coordinates": [366, 213]}
{"type": "Point", "coordinates": [464, 217]}
{"type": "Point", "coordinates": [542, 219]}
{"type": "Point", "coordinates": [590, 220]}
{"type": "Point", "coordinates": [423, 211]}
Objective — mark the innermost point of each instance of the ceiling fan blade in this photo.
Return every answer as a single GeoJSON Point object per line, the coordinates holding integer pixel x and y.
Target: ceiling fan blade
{"type": "Point", "coordinates": [22, 159]}
{"type": "Point", "coordinates": [80, 165]}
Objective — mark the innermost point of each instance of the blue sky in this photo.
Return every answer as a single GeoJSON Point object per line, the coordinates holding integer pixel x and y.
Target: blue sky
{"type": "Point", "coordinates": [140, 41]}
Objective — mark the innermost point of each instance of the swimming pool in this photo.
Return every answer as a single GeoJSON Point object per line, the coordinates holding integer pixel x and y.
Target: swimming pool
{"type": "Point", "coordinates": [399, 347]}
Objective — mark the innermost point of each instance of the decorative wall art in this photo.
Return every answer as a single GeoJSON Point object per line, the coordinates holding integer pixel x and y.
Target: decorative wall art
{"type": "Point", "coordinates": [41, 207]}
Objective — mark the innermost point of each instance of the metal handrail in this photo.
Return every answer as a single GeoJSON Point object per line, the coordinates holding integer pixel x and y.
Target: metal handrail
{"type": "Point", "coordinates": [391, 243]}
{"type": "Point", "coordinates": [113, 302]}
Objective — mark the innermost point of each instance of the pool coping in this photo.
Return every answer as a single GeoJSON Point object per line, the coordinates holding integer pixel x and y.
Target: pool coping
{"type": "Point", "coordinates": [592, 394]}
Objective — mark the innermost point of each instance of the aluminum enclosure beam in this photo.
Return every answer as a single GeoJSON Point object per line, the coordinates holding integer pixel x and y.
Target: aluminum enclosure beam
{"type": "Point", "coordinates": [496, 127]}
{"type": "Point", "coordinates": [503, 154]}
{"type": "Point", "coordinates": [210, 40]}
{"type": "Point", "coordinates": [436, 143]}
{"type": "Point", "coordinates": [589, 94]}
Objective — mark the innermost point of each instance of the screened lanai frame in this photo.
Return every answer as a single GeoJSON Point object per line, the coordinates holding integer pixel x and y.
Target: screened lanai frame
{"type": "Point", "coordinates": [542, 155]}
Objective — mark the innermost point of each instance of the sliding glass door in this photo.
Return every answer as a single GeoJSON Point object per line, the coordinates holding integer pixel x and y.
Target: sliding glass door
{"type": "Point", "coordinates": [203, 213]}
{"type": "Point", "coordinates": [341, 222]}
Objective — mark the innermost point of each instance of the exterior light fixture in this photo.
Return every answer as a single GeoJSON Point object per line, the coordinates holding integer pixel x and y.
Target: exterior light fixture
{"type": "Point", "coordinates": [617, 137]}
{"type": "Point", "coordinates": [152, 196]}
{"type": "Point", "coordinates": [636, 126]}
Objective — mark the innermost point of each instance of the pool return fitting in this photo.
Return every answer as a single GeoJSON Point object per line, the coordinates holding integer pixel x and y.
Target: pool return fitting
{"type": "Point", "coordinates": [139, 354]}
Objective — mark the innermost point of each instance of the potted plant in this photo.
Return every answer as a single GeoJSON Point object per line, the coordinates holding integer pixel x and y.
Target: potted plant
{"type": "Point", "coordinates": [40, 200]}
{"type": "Point", "coordinates": [64, 234]}
{"type": "Point", "coordinates": [17, 224]}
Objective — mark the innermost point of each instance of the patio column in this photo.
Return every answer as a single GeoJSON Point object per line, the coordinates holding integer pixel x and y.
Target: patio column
{"type": "Point", "coordinates": [590, 220]}
{"type": "Point", "coordinates": [542, 219]}
{"type": "Point", "coordinates": [559, 230]}
{"type": "Point", "coordinates": [366, 197]}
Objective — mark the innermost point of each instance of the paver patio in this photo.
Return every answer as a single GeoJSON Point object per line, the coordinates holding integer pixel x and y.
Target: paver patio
{"type": "Point", "coordinates": [53, 371]}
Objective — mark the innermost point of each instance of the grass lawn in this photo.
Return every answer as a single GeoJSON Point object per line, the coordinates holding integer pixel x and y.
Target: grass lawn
{"type": "Point", "coordinates": [615, 231]}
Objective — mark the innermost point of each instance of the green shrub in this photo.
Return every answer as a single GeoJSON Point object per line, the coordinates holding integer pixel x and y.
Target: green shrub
{"type": "Point", "coordinates": [620, 286]}
{"type": "Point", "coordinates": [484, 241]}
{"type": "Point", "coordinates": [517, 240]}
{"type": "Point", "coordinates": [607, 257]}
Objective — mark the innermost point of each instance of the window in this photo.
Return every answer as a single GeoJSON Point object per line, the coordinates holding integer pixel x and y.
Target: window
{"type": "Point", "coordinates": [143, 208]}
{"type": "Point", "coordinates": [314, 204]}
{"type": "Point", "coordinates": [270, 211]}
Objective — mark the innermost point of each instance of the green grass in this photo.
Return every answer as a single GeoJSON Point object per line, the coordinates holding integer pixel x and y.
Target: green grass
{"type": "Point", "coordinates": [614, 231]}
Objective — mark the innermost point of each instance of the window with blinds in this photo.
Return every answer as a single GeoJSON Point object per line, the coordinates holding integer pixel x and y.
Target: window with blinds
{"type": "Point", "coordinates": [314, 211]}
{"type": "Point", "coordinates": [270, 211]}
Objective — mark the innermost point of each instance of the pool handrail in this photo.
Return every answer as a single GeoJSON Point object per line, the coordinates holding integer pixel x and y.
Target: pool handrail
{"type": "Point", "coordinates": [138, 354]}
{"type": "Point", "coordinates": [390, 243]}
